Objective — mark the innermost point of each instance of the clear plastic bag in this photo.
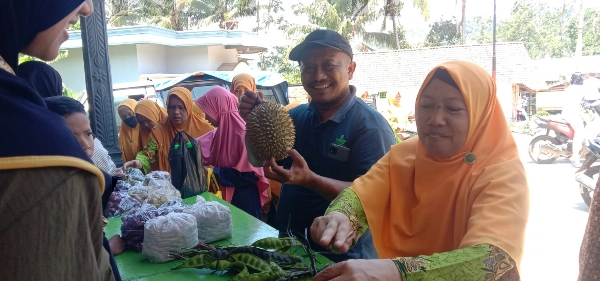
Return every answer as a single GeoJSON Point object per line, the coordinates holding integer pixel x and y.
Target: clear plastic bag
{"type": "Point", "coordinates": [162, 195]}
{"type": "Point", "coordinates": [132, 229]}
{"type": "Point", "coordinates": [119, 203]}
{"type": "Point", "coordinates": [170, 233]}
{"type": "Point", "coordinates": [159, 175]}
{"type": "Point", "coordinates": [157, 178]}
{"type": "Point", "coordinates": [213, 220]}
{"type": "Point", "coordinates": [133, 175]}
{"type": "Point", "coordinates": [140, 192]}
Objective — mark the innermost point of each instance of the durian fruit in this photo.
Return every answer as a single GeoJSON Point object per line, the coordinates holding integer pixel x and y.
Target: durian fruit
{"type": "Point", "coordinates": [269, 131]}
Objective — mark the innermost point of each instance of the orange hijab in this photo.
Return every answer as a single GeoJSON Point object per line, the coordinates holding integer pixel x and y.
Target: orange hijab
{"type": "Point", "coordinates": [152, 111]}
{"type": "Point", "coordinates": [129, 138]}
{"type": "Point", "coordinates": [418, 205]}
{"type": "Point", "coordinates": [165, 130]}
{"type": "Point", "coordinates": [245, 80]}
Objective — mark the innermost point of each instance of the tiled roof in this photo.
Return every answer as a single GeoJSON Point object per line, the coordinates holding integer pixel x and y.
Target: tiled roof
{"type": "Point", "coordinates": [407, 68]}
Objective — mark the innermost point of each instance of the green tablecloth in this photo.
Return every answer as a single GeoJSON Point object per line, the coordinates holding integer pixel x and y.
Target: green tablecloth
{"type": "Point", "coordinates": [246, 229]}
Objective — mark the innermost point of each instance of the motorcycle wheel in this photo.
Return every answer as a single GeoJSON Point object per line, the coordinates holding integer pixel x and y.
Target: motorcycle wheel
{"type": "Point", "coordinates": [534, 143]}
{"type": "Point", "coordinates": [586, 193]}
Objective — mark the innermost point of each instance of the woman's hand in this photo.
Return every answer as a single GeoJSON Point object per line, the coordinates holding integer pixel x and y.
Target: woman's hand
{"type": "Point", "coordinates": [118, 173]}
{"type": "Point", "coordinates": [359, 270]}
{"type": "Point", "coordinates": [133, 164]}
{"type": "Point", "coordinates": [335, 230]}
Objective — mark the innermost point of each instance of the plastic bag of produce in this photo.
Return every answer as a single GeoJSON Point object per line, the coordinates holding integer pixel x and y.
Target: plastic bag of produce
{"type": "Point", "coordinates": [119, 203]}
{"type": "Point", "coordinates": [162, 195]}
{"type": "Point", "coordinates": [132, 229]}
{"type": "Point", "coordinates": [133, 175]}
{"type": "Point", "coordinates": [152, 182]}
{"type": "Point", "coordinates": [140, 192]}
{"type": "Point", "coordinates": [170, 233]}
{"type": "Point", "coordinates": [159, 175]}
{"type": "Point", "coordinates": [213, 220]}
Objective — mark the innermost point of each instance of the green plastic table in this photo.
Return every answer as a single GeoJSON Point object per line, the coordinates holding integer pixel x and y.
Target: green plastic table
{"type": "Point", "coordinates": [246, 230]}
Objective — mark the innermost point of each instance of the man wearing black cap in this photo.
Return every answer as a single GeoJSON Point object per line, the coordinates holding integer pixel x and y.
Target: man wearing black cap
{"type": "Point", "coordinates": [338, 138]}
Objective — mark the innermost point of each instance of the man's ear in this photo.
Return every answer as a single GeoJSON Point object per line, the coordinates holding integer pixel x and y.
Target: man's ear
{"type": "Point", "coordinates": [351, 68]}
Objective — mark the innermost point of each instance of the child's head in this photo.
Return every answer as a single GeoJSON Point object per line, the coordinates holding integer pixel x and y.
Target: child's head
{"type": "Point", "coordinates": [76, 118]}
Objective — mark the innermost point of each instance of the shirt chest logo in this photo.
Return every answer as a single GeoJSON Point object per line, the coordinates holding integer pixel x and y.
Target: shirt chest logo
{"type": "Point", "coordinates": [340, 141]}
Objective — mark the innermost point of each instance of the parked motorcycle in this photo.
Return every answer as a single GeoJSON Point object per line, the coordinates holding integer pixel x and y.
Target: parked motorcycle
{"type": "Point", "coordinates": [587, 180]}
{"type": "Point", "coordinates": [554, 135]}
{"type": "Point", "coordinates": [552, 139]}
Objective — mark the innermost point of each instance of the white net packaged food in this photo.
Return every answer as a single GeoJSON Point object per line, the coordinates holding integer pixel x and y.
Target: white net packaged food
{"type": "Point", "coordinates": [213, 220]}
{"type": "Point", "coordinates": [166, 234]}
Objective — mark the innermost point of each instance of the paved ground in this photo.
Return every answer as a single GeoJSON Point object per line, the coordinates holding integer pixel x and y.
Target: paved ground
{"type": "Point", "coordinates": [557, 219]}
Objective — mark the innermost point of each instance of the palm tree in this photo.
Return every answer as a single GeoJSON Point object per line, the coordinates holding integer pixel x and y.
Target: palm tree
{"type": "Point", "coordinates": [392, 9]}
{"type": "Point", "coordinates": [347, 17]}
{"type": "Point", "coordinates": [460, 26]}
{"type": "Point", "coordinates": [176, 14]}
{"type": "Point", "coordinates": [579, 45]}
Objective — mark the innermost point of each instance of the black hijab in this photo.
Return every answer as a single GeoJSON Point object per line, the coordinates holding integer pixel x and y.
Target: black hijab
{"type": "Point", "coordinates": [42, 77]}
{"type": "Point", "coordinates": [27, 127]}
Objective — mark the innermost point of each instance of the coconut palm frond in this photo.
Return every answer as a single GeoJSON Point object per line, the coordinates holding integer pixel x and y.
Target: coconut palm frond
{"type": "Point", "coordinates": [423, 6]}
{"type": "Point", "coordinates": [300, 30]}
{"type": "Point", "coordinates": [381, 39]}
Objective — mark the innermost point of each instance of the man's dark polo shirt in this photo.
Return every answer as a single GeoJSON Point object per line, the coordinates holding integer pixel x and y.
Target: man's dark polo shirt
{"type": "Point", "coordinates": [357, 127]}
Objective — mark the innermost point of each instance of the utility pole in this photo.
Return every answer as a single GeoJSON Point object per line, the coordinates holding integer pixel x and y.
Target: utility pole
{"type": "Point", "coordinates": [494, 46]}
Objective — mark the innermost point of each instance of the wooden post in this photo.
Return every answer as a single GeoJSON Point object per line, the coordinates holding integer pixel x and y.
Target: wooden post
{"type": "Point", "coordinates": [98, 80]}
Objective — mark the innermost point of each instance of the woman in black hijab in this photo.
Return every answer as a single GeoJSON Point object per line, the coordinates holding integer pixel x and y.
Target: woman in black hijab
{"type": "Point", "coordinates": [42, 77]}
{"type": "Point", "coordinates": [50, 192]}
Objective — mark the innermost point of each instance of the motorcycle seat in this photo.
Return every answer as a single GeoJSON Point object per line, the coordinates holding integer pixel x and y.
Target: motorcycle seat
{"type": "Point", "coordinates": [553, 119]}
{"type": "Point", "coordinates": [595, 145]}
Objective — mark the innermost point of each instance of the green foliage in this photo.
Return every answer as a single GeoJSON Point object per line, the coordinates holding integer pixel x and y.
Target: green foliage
{"type": "Point", "coordinates": [277, 60]}
{"type": "Point", "coordinates": [350, 18]}
{"type": "Point", "coordinates": [545, 31]}
{"type": "Point", "coordinates": [540, 28]}
{"type": "Point", "coordinates": [442, 33]}
{"type": "Point", "coordinates": [591, 32]}
{"type": "Point", "coordinates": [69, 93]}
{"type": "Point", "coordinates": [176, 14]}
{"type": "Point", "coordinates": [272, 16]}
{"type": "Point", "coordinates": [61, 55]}
{"type": "Point", "coordinates": [76, 26]}
{"type": "Point", "coordinates": [542, 112]}
{"type": "Point", "coordinates": [481, 31]}
{"type": "Point", "coordinates": [401, 33]}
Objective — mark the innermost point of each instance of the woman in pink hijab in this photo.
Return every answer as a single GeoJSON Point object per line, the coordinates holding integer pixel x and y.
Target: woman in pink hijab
{"type": "Point", "coordinates": [243, 185]}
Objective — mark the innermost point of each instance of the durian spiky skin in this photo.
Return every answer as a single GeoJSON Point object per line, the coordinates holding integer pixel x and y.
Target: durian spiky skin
{"type": "Point", "coordinates": [269, 131]}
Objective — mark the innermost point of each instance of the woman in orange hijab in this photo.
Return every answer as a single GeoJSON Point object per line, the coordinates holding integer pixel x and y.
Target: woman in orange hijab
{"type": "Point", "coordinates": [241, 83]}
{"type": "Point", "coordinates": [155, 156]}
{"type": "Point", "coordinates": [148, 114]}
{"type": "Point", "coordinates": [450, 204]}
{"type": "Point", "coordinates": [129, 134]}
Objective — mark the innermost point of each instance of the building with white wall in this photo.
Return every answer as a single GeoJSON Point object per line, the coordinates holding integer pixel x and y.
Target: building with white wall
{"type": "Point", "coordinates": [139, 50]}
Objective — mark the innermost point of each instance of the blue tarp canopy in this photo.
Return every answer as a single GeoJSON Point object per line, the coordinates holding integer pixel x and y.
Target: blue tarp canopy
{"type": "Point", "coordinates": [263, 78]}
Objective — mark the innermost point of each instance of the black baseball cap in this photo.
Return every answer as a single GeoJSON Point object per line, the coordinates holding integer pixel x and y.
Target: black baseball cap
{"type": "Point", "coordinates": [322, 37]}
